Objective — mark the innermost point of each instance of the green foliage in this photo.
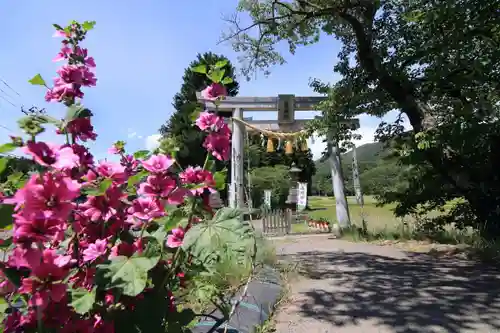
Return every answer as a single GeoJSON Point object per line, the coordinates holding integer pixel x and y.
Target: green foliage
{"type": "Point", "coordinates": [6, 218]}
{"type": "Point", "coordinates": [37, 80]}
{"type": "Point", "coordinates": [276, 179]}
{"type": "Point", "coordinates": [225, 232]}
{"type": "Point", "coordinates": [130, 275]}
{"type": "Point", "coordinates": [82, 300]}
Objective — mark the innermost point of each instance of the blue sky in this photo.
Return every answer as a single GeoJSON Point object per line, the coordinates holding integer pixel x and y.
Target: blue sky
{"type": "Point", "coordinates": [141, 49]}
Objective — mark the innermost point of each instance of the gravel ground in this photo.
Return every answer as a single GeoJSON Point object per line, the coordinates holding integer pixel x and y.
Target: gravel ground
{"type": "Point", "coordinates": [358, 287]}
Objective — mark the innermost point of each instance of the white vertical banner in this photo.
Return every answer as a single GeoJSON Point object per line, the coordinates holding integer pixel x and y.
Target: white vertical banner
{"type": "Point", "coordinates": [301, 196]}
{"type": "Point", "coordinates": [267, 198]}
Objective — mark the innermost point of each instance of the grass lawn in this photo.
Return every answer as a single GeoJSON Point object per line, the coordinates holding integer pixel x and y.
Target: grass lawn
{"type": "Point", "coordinates": [377, 218]}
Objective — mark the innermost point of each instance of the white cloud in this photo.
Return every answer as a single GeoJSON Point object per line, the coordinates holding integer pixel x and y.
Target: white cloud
{"type": "Point", "coordinates": [153, 141]}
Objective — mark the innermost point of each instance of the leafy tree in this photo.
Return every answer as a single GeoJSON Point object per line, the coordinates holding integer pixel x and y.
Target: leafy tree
{"type": "Point", "coordinates": [437, 62]}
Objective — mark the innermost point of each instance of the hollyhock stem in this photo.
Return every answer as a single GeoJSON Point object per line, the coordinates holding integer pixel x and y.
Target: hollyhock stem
{"type": "Point", "coordinates": [39, 319]}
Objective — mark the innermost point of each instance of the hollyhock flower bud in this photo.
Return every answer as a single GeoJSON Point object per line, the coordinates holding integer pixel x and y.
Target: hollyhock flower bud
{"type": "Point", "coordinates": [214, 91]}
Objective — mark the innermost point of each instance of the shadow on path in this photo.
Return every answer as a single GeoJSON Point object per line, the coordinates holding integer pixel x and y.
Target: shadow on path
{"type": "Point", "coordinates": [414, 294]}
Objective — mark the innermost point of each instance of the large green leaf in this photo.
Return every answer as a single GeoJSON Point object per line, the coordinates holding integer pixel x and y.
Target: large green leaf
{"type": "Point", "coordinates": [206, 239]}
{"type": "Point", "coordinates": [130, 275]}
{"type": "Point", "coordinates": [82, 300]}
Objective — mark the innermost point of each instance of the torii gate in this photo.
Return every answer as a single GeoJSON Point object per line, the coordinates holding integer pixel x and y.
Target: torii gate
{"type": "Point", "coordinates": [285, 105]}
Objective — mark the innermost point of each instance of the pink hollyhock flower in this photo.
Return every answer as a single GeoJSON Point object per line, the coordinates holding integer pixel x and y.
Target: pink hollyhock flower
{"type": "Point", "coordinates": [200, 178]}
{"type": "Point", "coordinates": [111, 170]}
{"type": "Point", "coordinates": [103, 207]}
{"type": "Point", "coordinates": [44, 284]}
{"type": "Point", "coordinates": [63, 54]}
{"type": "Point", "coordinates": [63, 91]}
{"type": "Point", "coordinates": [61, 33]}
{"type": "Point", "coordinates": [146, 209]}
{"type": "Point", "coordinates": [113, 150]}
{"type": "Point", "coordinates": [157, 186]}
{"type": "Point", "coordinates": [52, 155]}
{"type": "Point", "coordinates": [50, 195]}
{"type": "Point", "coordinates": [95, 250]}
{"type": "Point", "coordinates": [24, 257]}
{"type": "Point", "coordinates": [214, 91]}
{"type": "Point", "coordinates": [80, 75]}
{"type": "Point", "coordinates": [158, 163]}
{"type": "Point", "coordinates": [176, 238]}
{"type": "Point", "coordinates": [89, 61]}
{"type": "Point", "coordinates": [37, 228]}
{"type": "Point", "coordinates": [209, 121]}
{"type": "Point", "coordinates": [81, 129]}
{"type": "Point", "coordinates": [177, 196]}
{"type": "Point", "coordinates": [218, 145]}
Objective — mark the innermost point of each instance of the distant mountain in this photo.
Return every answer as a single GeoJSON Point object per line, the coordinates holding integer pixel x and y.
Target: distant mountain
{"type": "Point", "coordinates": [375, 171]}
{"type": "Point", "coordinates": [367, 154]}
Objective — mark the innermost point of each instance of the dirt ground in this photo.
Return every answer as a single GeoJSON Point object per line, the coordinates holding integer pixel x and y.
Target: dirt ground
{"type": "Point", "coordinates": [346, 287]}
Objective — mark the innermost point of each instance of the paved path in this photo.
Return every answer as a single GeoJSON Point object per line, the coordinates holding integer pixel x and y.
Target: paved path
{"type": "Point", "coordinates": [356, 287]}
